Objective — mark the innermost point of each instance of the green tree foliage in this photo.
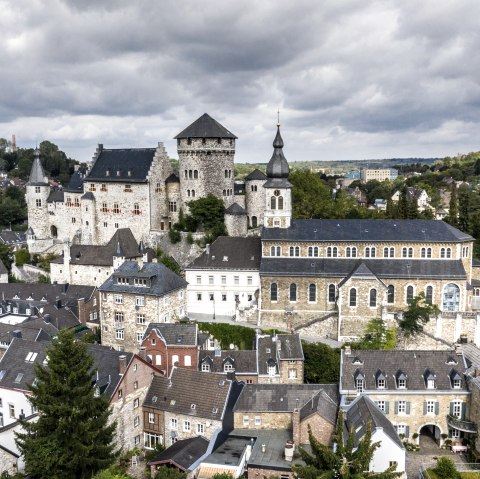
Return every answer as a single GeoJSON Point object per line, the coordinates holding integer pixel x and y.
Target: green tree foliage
{"type": "Point", "coordinates": [445, 468]}
{"type": "Point", "coordinates": [208, 213]}
{"type": "Point", "coordinates": [165, 472]}
{"type": "Point", "coordinates": [377, 336]}
{"type": "Point", "coordinates": [417, 315]}
{"type": "Point", "coordinates": [11, 211]}
{"type": "Point", "coordinates": [168, 261]}
{"type": "Point", "coordinates": [22, 256]}
{"type": "Point", "coordinates": [402, 208]}
{"type": "Point", "coordinates": [452, 217]}
{"type": "Point", "coordinates": [72, 438]}
{"type": "Point", "coordinates": [113, 472]}
{"type": "Point", "coordinates": [348, 461]}
{"type": "Point", "coordinates": [6, 256]}
{"type": "Point", "coordinates": [226, 334]}
{"type": "Point", "coordinates": [322, 363]}
{"type": "Point", "coordinates": [174, 236]}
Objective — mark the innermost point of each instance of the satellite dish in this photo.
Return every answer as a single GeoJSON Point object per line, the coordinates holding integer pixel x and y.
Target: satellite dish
{"type": "Point", "coordinates": [232, 346]}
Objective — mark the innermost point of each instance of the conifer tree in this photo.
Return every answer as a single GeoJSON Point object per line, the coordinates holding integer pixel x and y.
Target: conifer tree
{"type": "Point", "coordinates": [453, 207]}
{"type": "Point", "coordinates": [72, 438]}
{"type": "Point", "coordinates": [403, 204]}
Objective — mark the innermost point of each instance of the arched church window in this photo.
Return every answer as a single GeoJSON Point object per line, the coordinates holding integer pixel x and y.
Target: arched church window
{"type": "Point", "coordinates": [280, 202]}
{"type": "Point", "coordinates": [273, 203]}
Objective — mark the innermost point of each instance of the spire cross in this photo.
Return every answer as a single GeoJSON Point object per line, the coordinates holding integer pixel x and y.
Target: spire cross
{"type": "Point", "coordinates": [278, 117]}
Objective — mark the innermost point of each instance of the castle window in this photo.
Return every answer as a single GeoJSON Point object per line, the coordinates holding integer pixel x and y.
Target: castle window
{"type": "Point", "coordinates": [104, 208]}
{"type": "Point", "coordinates": [193, 193]}
{"type": "Point", "coordinates": [190, 174]}
{"type": "Point", "coordinates": [254, 187]}
{"type": "Point", "coordinates": [294, 251]}
{"type": "Point", "coordinates": [74, 220]}
{"type": "Point", "coordinates": [429, 294]}
{"type": "Point", "coordinates": [186, 174]}
{"type": "Point", "coordinates": [391, 294]}
{"type": "Point", "coordinates": [332, 252]}
{"type": "Point", "coordinates": [254, 221]}
{"type": "Point", "coordinates": [293, 292]}
{"type": "Point", "coordinates": [195, 174]}
{"type": "Point", "coordinates": [273, 203]}
{"type": "Point", "coordinates": [373, 298]}
{"type": "Point", "coordinates": [158, 188]}
{"type": "Point", "coordinates": [38, 203]}
{"type": "Point", "coordinates": [353, 297]}
{"type": "Point", "coordinates": [332, 293]}
{"type": "Point", "coordinates": [172, 206]}
{"type": "Point", "coordinates": [103, 187]}
{"type": "Point", "coordinates": [351, 252]}
{"type": "Point", "coordinates": [280, 202]}
{"type": "Point", "coordinates": [226, 173]}
{"type": "Point", "coordinates": [273, 292]}
{"type": "Point", "coordinates": [136, 209]}
{"type": "Point", "coordinates": [128, 188]}
{"type": "Point", "coordinates": [116, 209]}
{"type": "Point", "coordinates": [313, 251]}
{"type": "Point", "coordinates": [409, 294]}
{"type": "Point", "coordinates": [312, 293]}
{"type": "Point", "coordinates": [37, 189]}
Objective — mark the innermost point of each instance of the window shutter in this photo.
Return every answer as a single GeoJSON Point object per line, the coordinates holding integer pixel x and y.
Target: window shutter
{"type": "Point", "coordinates": [407, 431]}
{"type": "Point", "coordinates": [424, 407]}
{"type": "Point", "coordinates": [408, 407]}
{"type": "Point", "coordinates": [387, 407]}
{"type": "Point", "coordinates": [437, 408]}
{"type": "Point", "coordinates": [451, 409]}
{"type": "Point", "coordinates": [463, 411]}
{"type": "Point", "coordinates": [396, 407]}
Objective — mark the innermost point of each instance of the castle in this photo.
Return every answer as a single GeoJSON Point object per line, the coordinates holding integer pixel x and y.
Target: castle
{"type": "Point", "coordinates": [137, 188]}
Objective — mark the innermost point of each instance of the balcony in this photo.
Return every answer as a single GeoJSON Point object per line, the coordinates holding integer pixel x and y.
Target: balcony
{"type": "Point", "coordinates": [460, 425]}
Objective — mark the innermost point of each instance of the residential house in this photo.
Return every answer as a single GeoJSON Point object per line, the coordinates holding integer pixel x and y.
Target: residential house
{"type": "Point", "coordinates": [135, 295]}
{"type": "Point", "coordinates": [233, 364]}
{"type": "Point", "coordinates": [15, 239]}
{"type": "Point", "coordinates": [415, 194]}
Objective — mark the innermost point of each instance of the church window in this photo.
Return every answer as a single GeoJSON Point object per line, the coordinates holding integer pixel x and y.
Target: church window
{"type": "Point", "coordinates": [370, 252]}
{"type": "Point", "coordinates": [37, 189]}
{"type": "Point", "coordinates": [136, 209]}
{"type": "Point", "coordinates": [293, 292]}
{"type": "Point", "coordinates": [116, 209]}
{"type": "Point", "coordinates": [313, 251]}
{"type": "Point", "coordinates": [104, 208]}
{"type": "Point", "coordinates": [254, 221]}
{"type": "Point", "coordinates": [195, 174]}
{"type": "Point", "coordinates": [172, 206]}
{"type": "Point", "coordinates": [275, 251]}
{"type": "Point", "coordinates": [409, 294]}
{"type": "Point", "coordinates": [312, 293]}
{"type": "Point", "coordinates": [388, 252]}
{"type": "Point", "coordinates": [351, 252]}
{"type": "Point", "coordinates": [373, 298]}
{"type": "Point", "coordinates": [294, 251]}
{"type": "Point", "coordinates": [273, 292]}
{"type": "Point", "coordinates": [332, 293]}
{"type": "Point", "coordinates": [38, 203]}
{"type": "Point", "coordinates": [128, 188]}
{"type": "Point", "coordinates": [353, 297]}
{"type": "Point", "coordinates": [391, 294]}
{"type": "Point", "coordinates": [407, 252]}
{"type": "Point", "coordinates": [280, 202]}
{"type": "Point", "coordinates": [332, 252]}
{"type": "Point", "coordinates": [448, 253]}
{"type": "Point", "coordinates": [273, 203]}
{"type": "Point", "coordinates": [429, 294]}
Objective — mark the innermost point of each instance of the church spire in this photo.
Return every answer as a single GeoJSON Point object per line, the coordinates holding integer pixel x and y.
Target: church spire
{"type": "Point", "coordinates": [277, 167]}
{"type": "Point", "coordinates": [37, 174]}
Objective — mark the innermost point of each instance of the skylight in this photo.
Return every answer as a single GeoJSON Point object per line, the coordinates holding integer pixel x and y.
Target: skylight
{"type": "Point", "coordinates": [19, 378]}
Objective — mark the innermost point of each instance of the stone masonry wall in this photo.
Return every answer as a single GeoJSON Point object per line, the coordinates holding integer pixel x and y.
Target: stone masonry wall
{"type": "Point", "coordinates": [255, 201]}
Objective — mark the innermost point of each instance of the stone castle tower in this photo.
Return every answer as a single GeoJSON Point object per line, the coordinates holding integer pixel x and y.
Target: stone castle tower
{"type": "Point", "coordinates": [38, 191]}
{"type": "Point", "coordinates": [206, 152]}
{"type": "Point", "coordinates": [278, 190]}
{"type": "Point", "coordinates": [255, 197]}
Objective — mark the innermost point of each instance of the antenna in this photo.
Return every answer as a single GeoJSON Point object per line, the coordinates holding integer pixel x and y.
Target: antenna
{"type": "Point", "coordinates": [278, 117]}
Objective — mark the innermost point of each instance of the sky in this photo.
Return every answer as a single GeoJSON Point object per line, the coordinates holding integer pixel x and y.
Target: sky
{"type": "Point", "coordinates": [352, 79]}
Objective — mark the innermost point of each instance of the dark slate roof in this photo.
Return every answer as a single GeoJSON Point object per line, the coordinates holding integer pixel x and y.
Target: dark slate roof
{"type": "Point", "coordinates": [177, 394]}
{"type": "Point", "coordinates": [256, 175]}
{"type": "Point", "coordinates": [163, 280]}
{"type": "Point", "coordinates": [205, 127]}
{"type": "Point", "coordinates": [244, 362]}
{"type": "Point", "coordinates": [424, 231]}
{"type": "Point", "coordinates": [87, 196]}
{"type": "Point", "coordinates": [240, 253]}
{"type": "Point", "coordinates": [173, 178]}
{"type": "Point", "coordinates": [235, 209]}
{"type": "Point", "coordinates": [362, 411]}
{"type": "Point", "coordinates": [12, 237]}
{"type": "Point", "coordinates": [175, 334]}
{"type": "Point", "coordinates": [68, 294]}
{"type": "Point", "coordinates": [35, 329]}
{"type": "Point", "coordinates": [285, 397]}
{"type": "Point", "coordinates": [183, 453]}
{"type": "Point", "coordinates": [321, 404]}
{"type": "Point", "coordinates": [14, 363]}
{"type": "Point", "coordinates": [37, 174]}
{"type": "Point", "coordinates": [382, 268]}
{"type": "Point", "coordinates": [3, 268]}
{"type": "Point", "coordinates": [75, 184]}
{"type": "Point", "coordinates": [55, 196]}
{"type": "Point", "coordinates": [286, 346]}
{"type": "Point", "coordinates": [137, 161]}
{"type": "Point", "coordinates": [103, 255]}
{"type": "Point", "coordinates": [412, 363]}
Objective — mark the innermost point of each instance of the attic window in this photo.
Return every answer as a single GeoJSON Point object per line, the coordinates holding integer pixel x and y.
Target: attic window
{"type": "Point", "coordinates": [30, 298]}
{"type": "Point", "coordinates": [451, 360]}
{"type": "Point", "coordinates": [31, 357]}
{"type": "Point", "coordinates": [357, 360]}
{"type": "Point", "coordinates": [221, 383]}
{"type": "Point", "coordinates": [268, 350]}
{"type": "Point", "coordinates": [225, 258]}
{"type": "Point", "coordinates": [118, 172]}
{"type": "Point", "coordinates": [19, 378]}
{"type": "Point", "coordinates": [16, 296]}
{"type": "Point", "coordinates": [2, 374]}
{"type": "Point", "coordinates": [107, 173]}
{"type": "Point", "coordinates": [172, 402]}
{"type": "Point", "coordinates": [214, 410]}
{"type": "Point", "coordinates": [129, 172]}
{"type": "Point", "coordinates": [154, 398]}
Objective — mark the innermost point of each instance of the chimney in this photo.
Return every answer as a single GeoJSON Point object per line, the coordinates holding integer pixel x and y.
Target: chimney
{"type": "Point", "coordinates": [289, 448]}
{"type": "Point", "coordinates": [348, 350]}
{"type": "Point", "coordinates": [17, 333]}
{"type": "Point", "coordinates": [58, 303]}
{"type": "Point", "coordinates": [143, 353]}
{"type": "Point", "coordinates": [47, 318]}
{"type": "Point", "coordinates": [296, 426]}
{"type": "Point", "coordinates": [122, 364]}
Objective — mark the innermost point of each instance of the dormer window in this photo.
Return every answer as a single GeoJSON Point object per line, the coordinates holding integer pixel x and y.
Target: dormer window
{"type": "Point", "coordinates": [381, 383]}
{"type": "Point", "coordinates": [357, 360]}
{"type": "Point", "coordinates": [457, 383]}
{"type": "Point", "coordinates": [429, 379]}
{"type": "Point", "coordinates": [272, 370]}
{"type": "Point", "coordinates": [205, 367]}
{"type": "Point", "coordinates": [359, 384]}
{"type": "Point", "coordinates": [228, 367]}
{"type": "Point", "coordinates": [381, 379]}
{"type": "Point", "coordinates": [402, 384]}
{"type": "Point", "coordinates": [430, 383]}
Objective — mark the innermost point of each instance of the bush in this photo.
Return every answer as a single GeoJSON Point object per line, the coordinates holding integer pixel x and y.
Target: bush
{"type": "Point", "coordinates": [175, 236]}
{"type": "Point", "coordinates": [22, 256]}
{"type": "Point", "coordinates": [445, 468]}
{"type": "Point", "coordinates": [190, 238]}
{"type": "Point", "coordinates": [228, 334]}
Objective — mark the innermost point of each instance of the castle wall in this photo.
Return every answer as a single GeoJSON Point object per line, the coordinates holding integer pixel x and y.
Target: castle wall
{"type": "Point", "coordinates": [255, 202]}
{"type": "Point", "coordinates": [36, 198]}
{"type": "Point", "coordinates": [236, 225]}
{"type": "Point", "coordinates": [159, 171]}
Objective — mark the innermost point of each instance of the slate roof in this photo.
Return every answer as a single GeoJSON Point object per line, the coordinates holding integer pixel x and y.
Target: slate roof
{"type": "Point", "coordinates": [321, 404]}
{"type": "Point", "coordinates": [12, 237]}
{"type": "Point", "coordinates": [290, 346]}
{"type": "Point", "coordinates": [414, 364]}
{"type": "Point", "coordinates": [56, 196]}
{"type": "Point", "coordinates": [244, 362]}
{"type": "Point", "coordinates": [68, 294]}
{"type": "Point", "coordinates": [382, 268]}
{"type": "Point", "coordinates": [173, 178]}
{"type": "Point", "coordinates": [413, 231]}
{"type": "Point", "coordinates": [75, 184]}
{"type": "Point", "coordinates": [37, 174]}
{"type": "Point", "coordinates": [241, 253]}
{"type": "Point", "coordinates": [363, 410]}
{"type": "Point", "coordinates": [162, 279]}
{"type": "Point", "coordinates": [3, 268]}
{"type": "Point", "coordinates": [35, 329]}
{"type": "Point", "coordinates": [256, 175]}
{"type": "Point", "coordinates": [175, 334]}
{"type": "Point", "coordinates": [137, 161]}
{"type": "Point", "coordinates": [103, 255]}
{"type": "Point", "coordinates": [177, 394]}
{"type": "Point", "coordinates": [183, 453]}
{"type": "Point", "coordinates": [235, 209]}
{"type": "Point", "coordinates": [277, 168]}
{"type": "Point", "coordinates": [283, 397]}
{"type": "Point", "coordinates": [205, 127]}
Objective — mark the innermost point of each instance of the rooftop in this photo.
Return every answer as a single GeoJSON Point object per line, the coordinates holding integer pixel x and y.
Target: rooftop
{"type": "Point", "coordinates": [205, 127]}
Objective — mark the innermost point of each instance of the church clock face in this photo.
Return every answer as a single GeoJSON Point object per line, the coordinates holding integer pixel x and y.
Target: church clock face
{"type": "Point", "coordinates": [276, 192]}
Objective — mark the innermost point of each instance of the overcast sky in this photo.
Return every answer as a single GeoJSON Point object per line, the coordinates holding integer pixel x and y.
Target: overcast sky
{"type": "Point", "coordinates": [353, 79]}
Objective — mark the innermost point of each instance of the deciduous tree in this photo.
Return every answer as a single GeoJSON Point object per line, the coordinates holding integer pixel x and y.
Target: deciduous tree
{"type": "Point", "coordinates": [417, 315]}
